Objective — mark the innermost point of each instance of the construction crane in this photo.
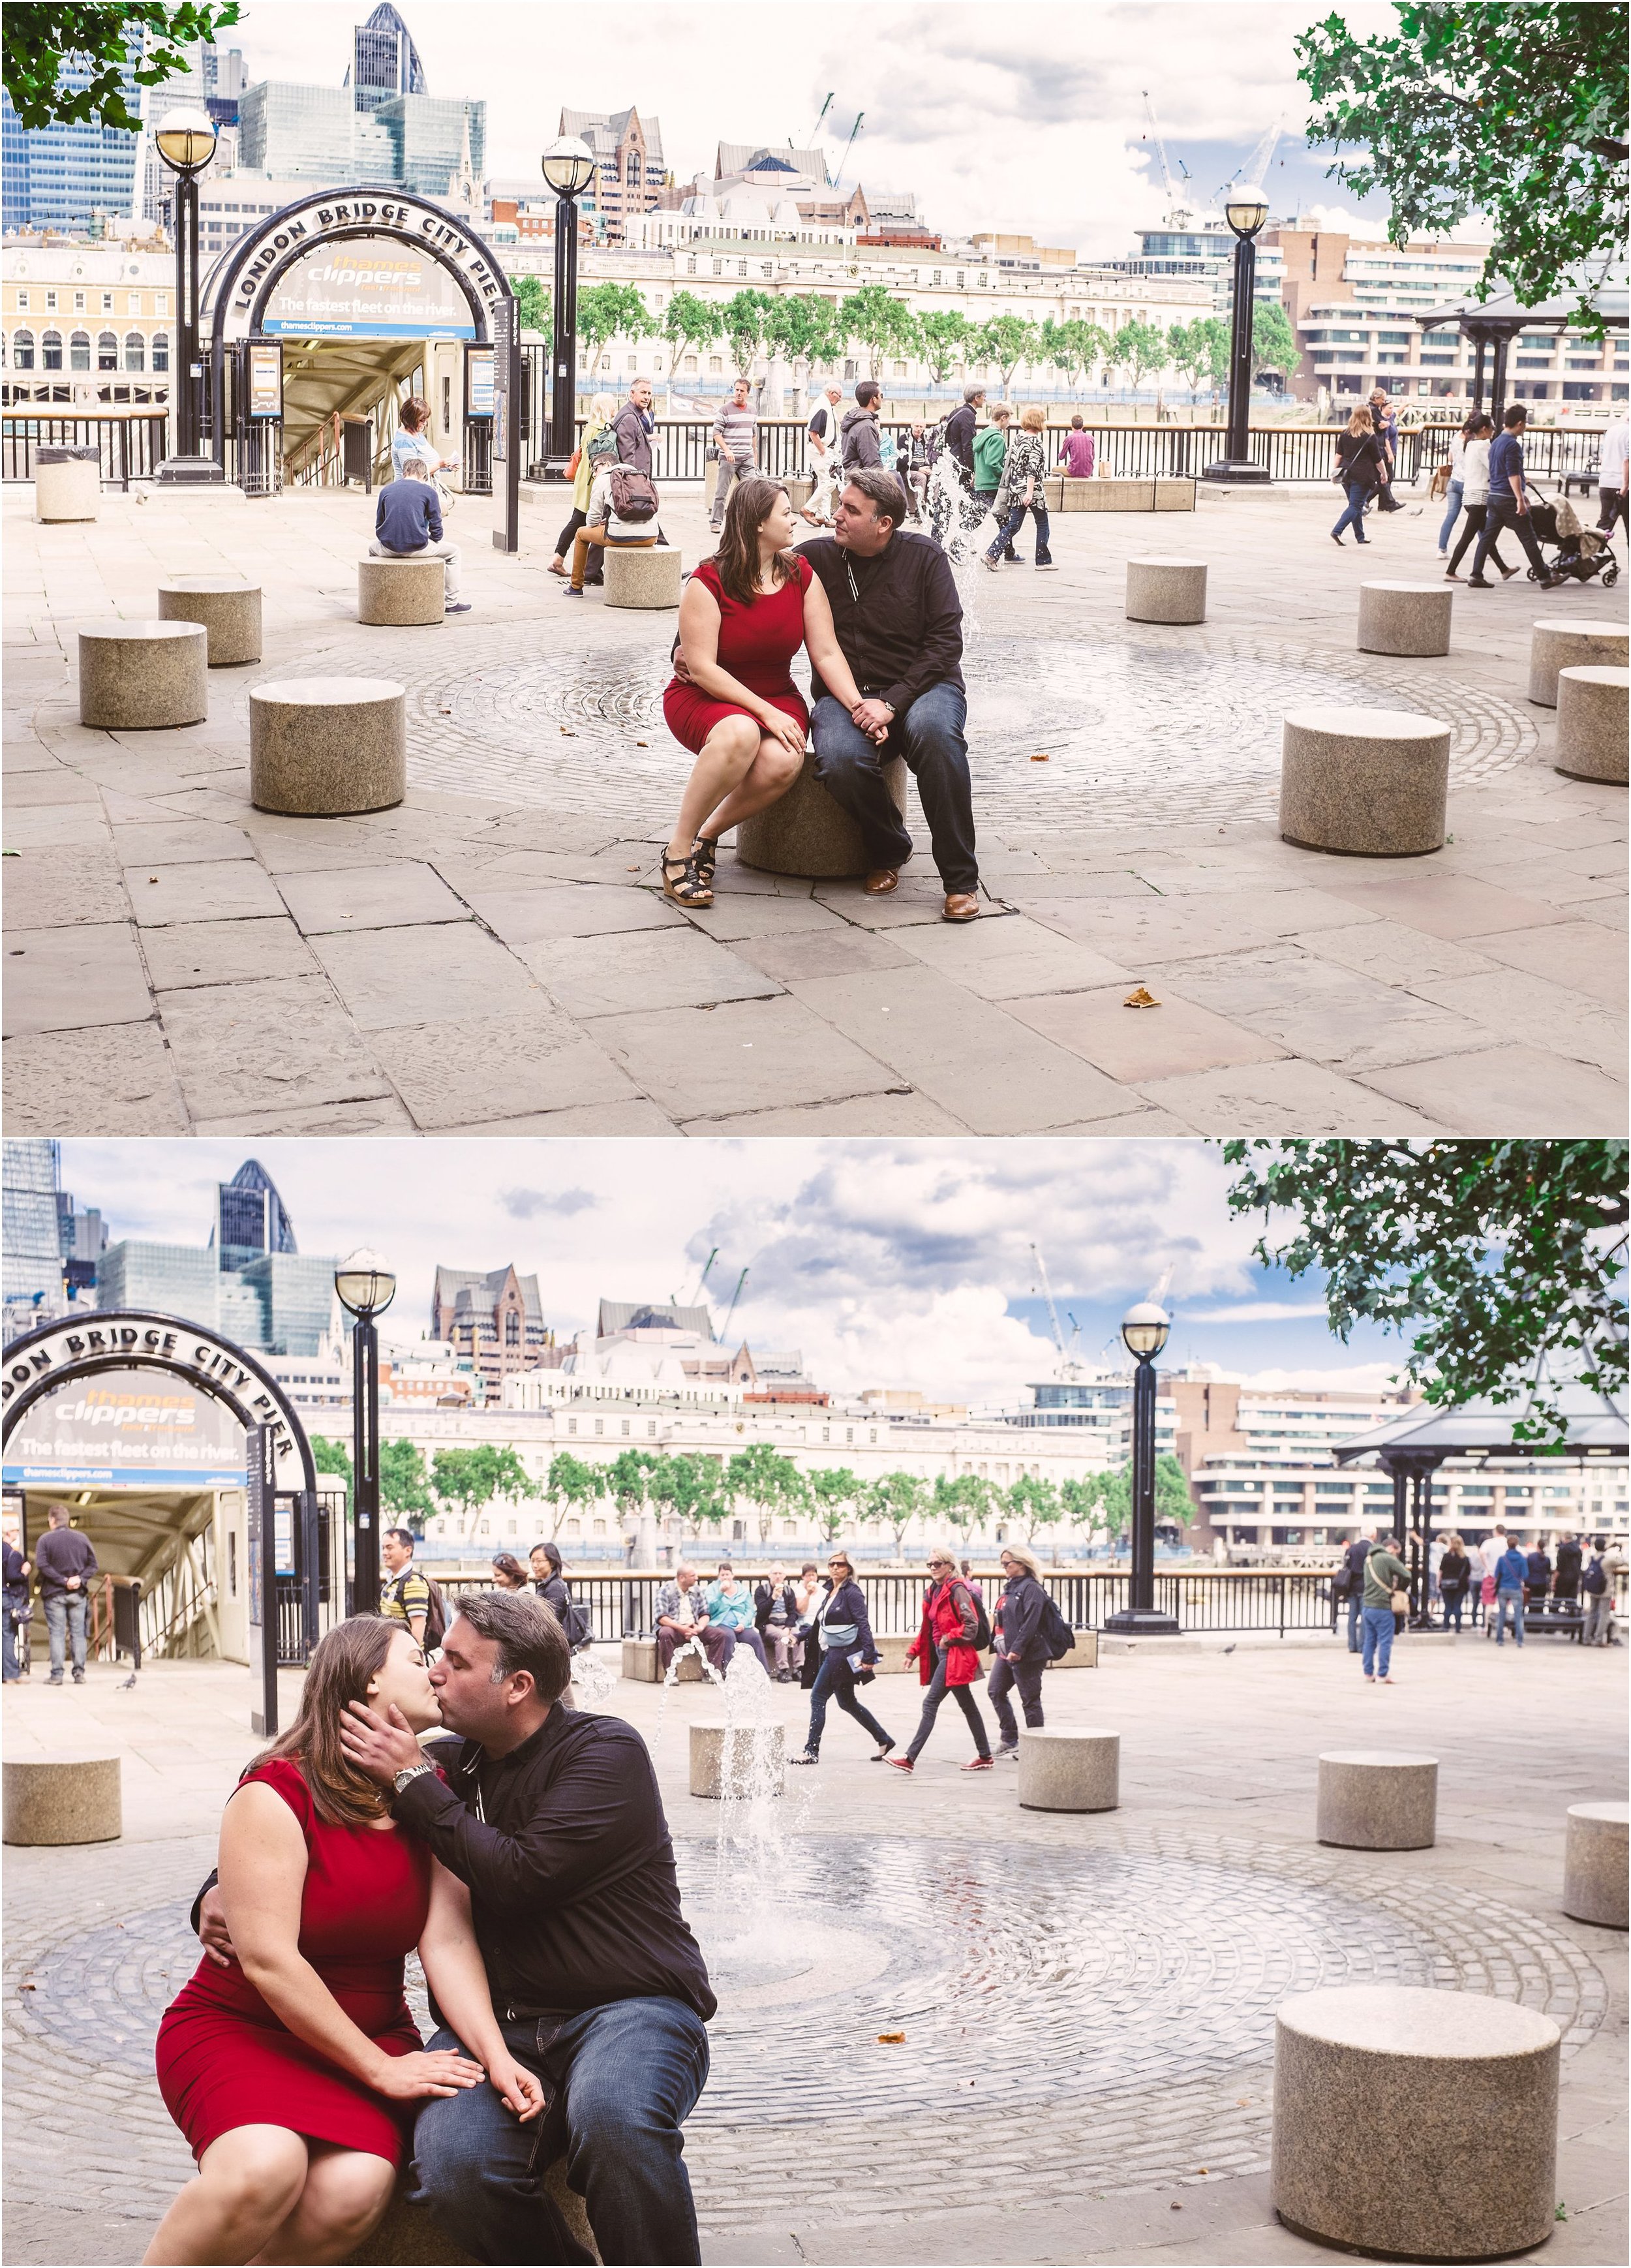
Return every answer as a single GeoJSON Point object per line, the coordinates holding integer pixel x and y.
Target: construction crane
{"type": "Point", "coordinates": [816, 129]}
{"type": "Point", "coordinates": [849, 146]}
{"type": "Point", "coordinates": [1175, 202]}
{"type": "Point", "coordinates": [1067, 1363]}
{"type": "Point", "coordinates": [1254, 173]}
{"type": "Point", "coordinates": [730, 1310]}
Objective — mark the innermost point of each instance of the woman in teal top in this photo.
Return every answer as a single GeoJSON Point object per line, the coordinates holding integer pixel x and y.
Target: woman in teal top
{"type": "Point", "coordinates": [731, 1607]}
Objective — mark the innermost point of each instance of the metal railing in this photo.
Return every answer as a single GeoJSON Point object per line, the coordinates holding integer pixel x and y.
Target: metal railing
{"type": "Point", "coordinates": [130, 448]}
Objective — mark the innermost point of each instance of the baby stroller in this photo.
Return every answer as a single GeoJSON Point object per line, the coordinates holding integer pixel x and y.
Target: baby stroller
{"type": "Point", "coordinates": [1584, 553]}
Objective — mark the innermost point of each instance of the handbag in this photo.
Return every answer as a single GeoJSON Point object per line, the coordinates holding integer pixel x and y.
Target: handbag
{"type": "Point", "coordinates": [1438, 486]}
{"type": "Point", "coordinates": [573, 462]}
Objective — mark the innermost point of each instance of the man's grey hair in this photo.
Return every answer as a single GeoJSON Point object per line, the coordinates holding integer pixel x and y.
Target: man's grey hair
{"type": "Point", "coordinates": [882, 490]}
{"type": "Point", "coordinates": [974, 393]}
{"type": "Point", "coordinates": [414, 469]}
{"type": "Point", "coordinates": [527, 1637]}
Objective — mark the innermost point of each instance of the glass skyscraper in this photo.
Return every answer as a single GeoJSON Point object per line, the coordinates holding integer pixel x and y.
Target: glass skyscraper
{"type": "Point", "coordinates": [30, 1178]}
{"type": "Point", "coordinates": [384, 60]}
{"type": "Point", "coordinates": [58, 176]}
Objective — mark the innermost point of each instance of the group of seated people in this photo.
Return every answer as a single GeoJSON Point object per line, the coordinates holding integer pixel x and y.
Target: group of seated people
{"type": "Point", "coordinates": [769, 1620]}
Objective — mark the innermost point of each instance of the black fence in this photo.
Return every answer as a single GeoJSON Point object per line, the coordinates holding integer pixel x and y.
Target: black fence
{"type": "Point", "coordinates": [130, 448]}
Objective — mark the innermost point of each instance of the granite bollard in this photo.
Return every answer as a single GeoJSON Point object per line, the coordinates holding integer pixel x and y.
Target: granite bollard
{"type": "Point", "coordinates": [1078, 1770]}
{"type": "Point", "coordinates": [807, 834]}
{"type": "Point", "coordinates": [736, 1759]}
{"type": "Point", "coordinates": [228, 607]}
{"type": "Point", "coordinates": [49, 1799]}
{"type": "Point", "coordinates": [1407, 618]}
{"type": "Point", "coordinates": [1591, 723]}
{"type": "Point", "coordinates": [1166, 590]}
{"type": "Point", "coordinates": [68, 483]}
{"type": "Point", "coordinates": [412, 2236]}
{"type": "Point", "coordinates": [1369, 783]}
{"type": "Point", "coordinates": [1557, 643]}
{"type": "Point", "coordinates": [1385, 2095]}
{"type": "Point", "coordinates": [408, 592]}
{"type": "Point", "coordinates": [646, 576]}
{"type": "Point", "coordinates": [1594, 1863]}
{"type": "Point", "coordinates": [140, 677]}
{"type": "Point", "coordinates": [1377, 1799]}
{"type": "Point", "coordinates": [323, 746]}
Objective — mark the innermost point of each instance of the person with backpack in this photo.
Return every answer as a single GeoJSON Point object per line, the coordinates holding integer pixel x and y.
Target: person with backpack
{"type": "Point", "coordinates": [622, 513]}
{"type": "Point", "coordinates": [1386, 1575]}
{"type": "Point", "coordinates": [990, 456]}
{"type": "Point", "coordinates": [1021, 1645]}
{"type": "Point", "coordinates": [841, 1634]}
{"type": "Point", "coordinates": [824, 456]}
{"type": "Point", "coordinates": [408, 1596]}
{"type": "Point", "coordinates": [1353, 1578]}
{"type": "Point", "coordinates": [947, 1650]}
{"type": "Point", "coordinates": [1605, 1567]}
{"type": "Point", "coordinates": [1455, 1572]}
{"type": "Point", "coordinates": [549, 1581]}
{"type": "Point", "coordinates": [598, 446]}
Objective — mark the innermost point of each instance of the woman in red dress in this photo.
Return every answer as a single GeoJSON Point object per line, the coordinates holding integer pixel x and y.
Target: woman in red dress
{"type": "Point", "coordinates": [745, 614]}
{"type": "Point", "coordinates": [295, 2070]}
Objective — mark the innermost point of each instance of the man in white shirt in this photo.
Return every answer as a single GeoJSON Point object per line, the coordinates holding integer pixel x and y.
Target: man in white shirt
{"type": "Point", "coordinates": [604, 528]}
{"type": "Point", "coordinates": [1611, 475]}
{"type": "Point", "coordinates": [825, 455]}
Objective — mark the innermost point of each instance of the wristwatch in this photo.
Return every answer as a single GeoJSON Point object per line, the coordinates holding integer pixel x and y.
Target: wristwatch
{"type": "Point", "coordinates": [411, 1771]}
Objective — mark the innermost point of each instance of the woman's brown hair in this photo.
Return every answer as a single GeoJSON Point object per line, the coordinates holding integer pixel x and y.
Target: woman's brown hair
{"type": "Point", "coordinates": [343, 1662]}
{"type": "Point", "coordinates": [737, 560]}
{"type": "Point", "coordinates": [1361, 421]}
{"type": "Point", "coordinates": [506, 1563]}
{"type": "Point", "coordinates": [415, 412]}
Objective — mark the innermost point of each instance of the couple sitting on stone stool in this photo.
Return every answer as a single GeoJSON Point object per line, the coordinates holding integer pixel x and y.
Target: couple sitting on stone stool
{"type": "Point", "coordinates": [878, 612]}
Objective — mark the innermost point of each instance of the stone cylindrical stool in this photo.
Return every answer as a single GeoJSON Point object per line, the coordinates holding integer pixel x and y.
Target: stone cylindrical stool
{"type": "Point", "coordinates": [1074, 1770]}
{"type": "Point", "coordinates": [411, 2236]}
{"type": "Point", "coordinates": [1405, 617]}
{"type": "Point", "coordinates": [799, 488]}
{"type": "Point", "coordinates": [736, 1761]}
{"type": "Point", "coordinates": [1386, 2094]}
{"type": "Point", "coordinates": [62, 1799]}
{"type": "Point", "coordinates": [401, 591]}
{"type": "Point", "coordinates": [646, 577]}
{"type": "Point", "coordinates": [319, 747]}
{"type": "Point", "coordinates": [137, 676]}
{"type": "Point", "coordinates": [1591, 723]}
{"type": "Point", "coordinates": [229, 610]}
{"type": "Point", "coordinates": [807, 834]}
{"type": "Point", "coordinates": [68, 483]}
{"type": "Point", "coordinates": [1166, 590]}
{"type": "Point", "coordinates": [1594, 1863]}
{"type": "Point", "coordinates": [1559, 643]}
{"type": "Point", "coordinates": [1371, 783]}
{"type": "Point", "coordinates": [1377, 1799]}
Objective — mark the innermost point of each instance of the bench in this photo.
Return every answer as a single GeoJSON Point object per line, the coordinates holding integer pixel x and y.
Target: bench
{"type": "Point", "coordinates": [322, 746]}
{"type": "Point", "coordinates": [1377, 1799]}
{"type": "Point", "coordinates": [1591, 723]}
{"type": "Point", "coordinates": [60, 1800]}
{"type": "Point", "coordinates": [142, 677]}
{"type": "Point", "coordinates": [736, 1760]}
{"type": "Point", "coordinates": [806, 832]}
{"type": "Point", "coordinates": [640, 1664]}
{"type": "Point", "coordinates": [1386, 2095]}
{"type": "Point", "coordinates": [229, 608]}
{"type": "Point", "coordinates": [411, 2236]}
{"type": "Point", "coordinates": [1367, 783]}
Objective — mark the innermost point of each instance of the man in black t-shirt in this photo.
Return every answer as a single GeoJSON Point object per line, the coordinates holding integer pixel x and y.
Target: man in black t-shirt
{"type": "Point", "coordinates": [66, 1564]}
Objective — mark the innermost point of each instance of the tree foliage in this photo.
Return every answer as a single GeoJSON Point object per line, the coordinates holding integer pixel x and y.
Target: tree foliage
{"type": "Point", "coordinates": [332, 1457]}
{"type": "Point", "coordinates": [744, 319]}
{"type": "Point", "coordinates": [1273, 342]}
{"type": "Point", "coordinates": [405, 1495]}
{"type": "Point", "coordinates": [1517, 114]}
{"type": "Point", "coordinates": [610, 311]}
{"type": "Point", "coordinates": [834, 1494]}
{"type": "Point", "coordinates": [943, 339]}
{"type": "Point", "coordinates": [884, 324]}
{"type": "Point", "coordinates": [802, 327]}
{"type": "Point", "coordinates": [569, 1485]}
{"type": "Point", "coordinates": [1504, 1262]}
{"type": "Point", "coordinates": [1141, 349]}
{"type": "Point", "coordinates": [535, 304]}
{"type": "Point", "coordinates": [1031, 1503]}
{"type": "Point", "coordinates": [897, 1498]}
{"type": "Point", "coordinates": [1007, 341]}
{"type": "Point", "coordinates": [41, 39]}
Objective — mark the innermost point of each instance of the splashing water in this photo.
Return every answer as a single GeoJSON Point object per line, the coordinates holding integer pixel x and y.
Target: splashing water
{"type": "Point", "coordinates": [955, 518]}
{"type": "Point", "coordinates": [592, 1680]}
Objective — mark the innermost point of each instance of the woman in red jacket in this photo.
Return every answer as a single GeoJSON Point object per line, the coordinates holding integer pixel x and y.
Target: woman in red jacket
{"type": "Point", "coordinates": [947, 1660]}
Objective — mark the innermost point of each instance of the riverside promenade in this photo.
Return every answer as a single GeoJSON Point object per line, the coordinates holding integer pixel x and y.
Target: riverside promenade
{"type": "Point", "coordinates": [494, 955]}
{"type": "Point", "coordinates": [1087, 1999]}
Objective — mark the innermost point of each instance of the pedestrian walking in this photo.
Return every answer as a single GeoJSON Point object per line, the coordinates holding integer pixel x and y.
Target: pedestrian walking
{"type": "Point", "coordinates": [1454, 490]}
{"type": "Point", "coordinates": [1386, 1575]}
{"type": "Point", "coordinates": [1020, 1651]}
{"type": "Point", "coordinates": [1490, 1553]}
{"type": "Point", "coordinates": [859, 438]}
{"type": "Point", "coordinates": [1359, 470]}
{"type": "Point", "coordinates": [1511, 1576]}
{"type": "Point", "coordinates": [990, 456]}
{"type": "Point", "coordinates": [1354, 1585]}
{"type": "Point", "coordinates": [66, 1564]}
{"type": "Point", "coordinates": [1508, 503]}
{"type": "Point", "coordinates": [1612, 474]}
{"type": "Point", "coordinates": [946, 1651]}
{"type": "Point", "coordinates": [1020, 491]}
{"type": "Point", "coordinates": [1384, 424]}
{"type": "Point", "coordinates": [15, 1610]}
{"type": "Point", "coordinates": [960, 429]}
{"type": "Point", "coordinates": [824, 454]}
{"type": "Point", "coordinates": [1602, 1573]}
{"type": "Point", "coordinates": [1455, 1572]}
{"type": "Point", "coordinates": [913, 468]}
{"type": "Point", "coordinates": [1076, 455]}
{"type": "Point", "coordinates": [735, 446]}
{"type": "Point", "coordinates": [1475, 497]}
{"type": "Point", "coordinates": [843, 1634]}
{"type": "Point", "coordinates": [598, 445]}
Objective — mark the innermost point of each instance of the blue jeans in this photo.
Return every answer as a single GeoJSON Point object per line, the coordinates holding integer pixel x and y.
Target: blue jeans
{"type": "Point", "coordinates": [1452, 512]}
{"type": "Point", "coordinates": [12, 1667]}
{"type": "Point", "coordinates": [1005, 1675]}
{"type": "Point", "coordinates": [1509, 1603]}
{"type": "Point", "coordinates": [65, 1626]}
{"type": "Point", "coordinates": [1358, 496]}
{"type": "Point", "coordinates": [1354, 1600]}
{"type": "Point", "coordinates": [1454, 1601]}
{"type": "Point", "coordinates": [620, 2080]}
{"type": "Point", "coordinates": [1504, 513]}
{"type": "Point", "coordinates": [1011, 525]}
{"type": "Point", "coordinates": [929, 736]}
{"type": "Point", "coordinates": [835, 1681]}
{"type": "Point", "coordinates": [1378, 1649]}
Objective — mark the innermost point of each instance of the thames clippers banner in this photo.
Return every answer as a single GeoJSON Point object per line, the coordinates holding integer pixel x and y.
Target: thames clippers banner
{"type": "Point", "coordinates": [126, 1428]}
{"type": "Point", "coordinates": [372, 288]}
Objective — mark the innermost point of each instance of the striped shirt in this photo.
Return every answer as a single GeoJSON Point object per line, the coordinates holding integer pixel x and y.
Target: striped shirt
{"type": "Point", "coordinates": [736, 432]}
{"type": "Point", "coordinates": [405, 1597]}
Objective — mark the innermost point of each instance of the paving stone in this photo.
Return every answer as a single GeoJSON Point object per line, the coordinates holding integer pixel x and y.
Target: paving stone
{"type": "Point", "coordinates": [274, 1044]}
{"type": "Point", "coordinates": [1288, 1097]}
{"type": "Point", "coordinates": [1160, 929]}
{"type": "Point", "coordinates": [57, 887]}
{"type": "Point", "coordinates": [188, 953]}
{"type": "Point", "coordinates": [595, 976]}
{"type": "Point", "coordinates": [1527, 1008]}
{"type": "Point", "coordinates": [1392, 954]}
{"type": "Point", "coordinates": [483, 1068]}
{"type": "Point", "coordinates": [638, 1118]}
{"type": "Point", "coordinates": [53, 825]}
{"type": "Point", "coordinates": [1139, 1044]}
{"type": "Point", "coordinates": [433, 974]}
{"type": "Point", "coordinates": [169, 843]}
{"type": "Point", "coordinates": [344, 898]}
{"type": "Point", "coordinates": [1444, 904]}
{"type": "Point", "coordinates": [878, 1115]}
{"type": "Point", "coordinates": [64, 980]}
{"type": "Point", "coordinates": [226, 889]}
{"type": "Point", "coordinates": [1011, 959]}
{"type": "Point", "coordinates": [1318, 1010]}
{"type": "Point", "coordinates": [1581, 956]}
{"type": "Point", "coordinates": [380, 1113]}
{"type": "Point", "coordinates": [1509, 1090]}
{"type": "Point", "coordinates": [523, 916]}
{"type": "Point", "coordinates": [839, 951]}
{"type": "Point", "coordinates": [126, 1084]}
{"type": "Point", "coordinates": [700, 1063]}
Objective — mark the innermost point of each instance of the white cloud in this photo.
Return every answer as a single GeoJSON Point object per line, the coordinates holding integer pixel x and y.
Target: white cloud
{"type": "Point", "coordinates": [1358, 1378]}
{"type": "Point", "coordinates": [1255, 1311]}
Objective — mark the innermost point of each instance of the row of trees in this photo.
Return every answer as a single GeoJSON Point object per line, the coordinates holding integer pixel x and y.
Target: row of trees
{"type": "Point", "coordinates": [701, 1492]}
{"type": "Point", "coordinates": [805, 330]}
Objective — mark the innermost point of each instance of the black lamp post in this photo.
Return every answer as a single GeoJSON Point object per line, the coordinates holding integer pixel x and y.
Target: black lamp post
{"type": "Point", "coordinates": [1144, 1331]}
{"type": "Point", "coordinates": [366, 1288]}
{"type": "Point", "coordinates": [186, 142]}
{"type": "Point", "coordinates": [569, 168]}
{"type": "Point", "coordinates": [1245, 210]}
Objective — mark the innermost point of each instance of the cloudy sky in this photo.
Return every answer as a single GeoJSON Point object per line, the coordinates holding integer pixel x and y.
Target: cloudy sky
{"type": "Point", "coordinates": [1021, 116]}
{"type": "Point", "coordinates": [888, 1263]}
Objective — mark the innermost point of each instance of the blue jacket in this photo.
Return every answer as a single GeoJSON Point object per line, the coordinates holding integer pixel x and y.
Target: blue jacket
{"type": "Point", "coordinates": [1018, 1619]}
{"type": "Point", "coordinates": [1506, 457]}
{"type": "Point", "coordinates": [1511, 1569]}
{"type": "Point", "coordinates": [407, 509]}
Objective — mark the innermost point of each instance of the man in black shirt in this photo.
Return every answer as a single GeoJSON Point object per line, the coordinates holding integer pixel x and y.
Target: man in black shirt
{"type": "Point", "coordinates": [553, 1820]}
{"type": "Point", "coordinates": [959, 433]}
{"type": "Point", "coordinates": [899, 625]}
{"type": "Point", "coordinates": [66, 1564]}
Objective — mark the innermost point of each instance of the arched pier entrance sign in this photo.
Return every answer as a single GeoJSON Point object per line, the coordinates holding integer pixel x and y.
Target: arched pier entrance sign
{"type": "Point", "coordinates": [279, 1467]}
{"type": "Point", "coordinates": [363, 263]}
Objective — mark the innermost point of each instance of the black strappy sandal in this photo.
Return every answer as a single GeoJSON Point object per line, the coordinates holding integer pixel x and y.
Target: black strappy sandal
{"type": "Point", "coordinates": [682, 882]}
{"type": "Point", "coordinates": [705, 850]}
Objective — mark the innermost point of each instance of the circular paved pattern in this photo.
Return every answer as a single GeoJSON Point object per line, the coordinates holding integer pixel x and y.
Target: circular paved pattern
{"type": "Point", "coordinates": [1134, 726]}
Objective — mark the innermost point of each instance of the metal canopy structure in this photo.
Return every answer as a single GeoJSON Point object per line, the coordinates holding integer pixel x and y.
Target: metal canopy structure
{"type": "Point", "coordinates": [1410, 1450]}
{"type": "Point", "coordinates": [1493, 324]}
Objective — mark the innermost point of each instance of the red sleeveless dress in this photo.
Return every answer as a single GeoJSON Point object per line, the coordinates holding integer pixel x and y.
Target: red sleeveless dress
{"type": "Point", "coordinates": [757, 643]}
{"type": "Point", "coordinates": [224, 2059]}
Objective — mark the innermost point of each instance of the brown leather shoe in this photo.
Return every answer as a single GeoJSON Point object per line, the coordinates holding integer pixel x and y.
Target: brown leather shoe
{"type": "Point", "coordinates": [960, 905]}
{"type": "Point", "coordinates": [880, 881]}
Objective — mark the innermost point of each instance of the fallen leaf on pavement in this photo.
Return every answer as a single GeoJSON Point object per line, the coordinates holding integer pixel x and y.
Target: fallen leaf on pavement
{"type": "Point", "coordinates": [1140, 998]}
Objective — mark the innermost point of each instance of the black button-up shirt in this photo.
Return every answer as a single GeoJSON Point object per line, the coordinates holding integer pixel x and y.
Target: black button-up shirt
{"type": "Point", "coordinates": [570, 1866]}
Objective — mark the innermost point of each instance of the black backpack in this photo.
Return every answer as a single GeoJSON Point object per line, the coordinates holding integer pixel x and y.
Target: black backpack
{"type": "Point", "coordinates": [1594, 1579]}
{"type": "Point", "coordinates": [580, 1630]}
{"type": "Point", "coordinates": [1055, 1629]}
